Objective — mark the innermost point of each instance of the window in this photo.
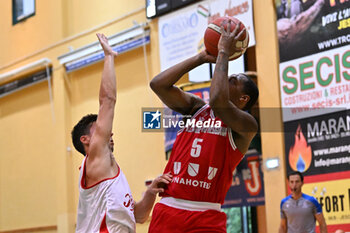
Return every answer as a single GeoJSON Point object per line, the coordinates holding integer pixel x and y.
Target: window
{"type": "Point", "coordinates": [22, 9]}
{"type": "Point", "coordinates": [241, 219]}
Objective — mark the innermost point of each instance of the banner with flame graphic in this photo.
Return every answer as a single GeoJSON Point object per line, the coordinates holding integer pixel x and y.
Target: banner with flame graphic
{"type": "Point", "coordinates": [318, 145]}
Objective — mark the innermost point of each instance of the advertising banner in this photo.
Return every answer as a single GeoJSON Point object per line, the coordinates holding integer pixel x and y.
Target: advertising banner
{"type": "Point", "coordinates": [311, 26]}
{"type": "Point", "coordinates": [247, 187]}
{"type": "Point", "coordinates": [334, 196]}
{"type": "Point", "coordinates": [316, 84]}
{"type": "Point", "coordinates": [181, 32]}
{"type": "Point", "coordinates": [318, 145]}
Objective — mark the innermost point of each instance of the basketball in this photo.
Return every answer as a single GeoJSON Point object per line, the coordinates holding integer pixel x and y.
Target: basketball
{"type": "Point", "coordinates": [213, 32]}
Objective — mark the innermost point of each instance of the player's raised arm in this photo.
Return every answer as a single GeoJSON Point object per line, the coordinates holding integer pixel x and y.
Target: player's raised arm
{"type": "Point", "coordinates": [100, 140]}
{"type": "Point", "coordinates": [172, 96]}
{"type": "Point", "coordinates": [227, 96]}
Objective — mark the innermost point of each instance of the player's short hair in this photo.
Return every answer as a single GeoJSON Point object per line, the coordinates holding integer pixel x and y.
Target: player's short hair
{"type": "Point", "coordinates": [296, 173]}
{"type": "Point", "coordinates": [251, 90]}
{"type": "Point", "coordinates": [80, 129]}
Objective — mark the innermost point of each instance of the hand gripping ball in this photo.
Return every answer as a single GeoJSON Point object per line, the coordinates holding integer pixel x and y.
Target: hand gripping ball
{"type": "Point", "coordinates": [212, 36]}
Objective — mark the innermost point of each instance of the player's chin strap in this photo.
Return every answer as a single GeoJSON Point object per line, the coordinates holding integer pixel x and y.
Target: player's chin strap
{"type": "Point", "coordinates": [50, 92]}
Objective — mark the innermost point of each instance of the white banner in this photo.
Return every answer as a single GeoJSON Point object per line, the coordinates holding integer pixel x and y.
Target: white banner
{"type": "Point", "coordinates": [316, 84]}
{"type": "Point", "coordinates": [181, 32]}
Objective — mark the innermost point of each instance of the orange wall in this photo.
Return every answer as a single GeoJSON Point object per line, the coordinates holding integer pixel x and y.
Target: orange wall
{"type": "Point", "coordinates": [35, 33]}
{"type": "Point", "coordinates": [39, 167]}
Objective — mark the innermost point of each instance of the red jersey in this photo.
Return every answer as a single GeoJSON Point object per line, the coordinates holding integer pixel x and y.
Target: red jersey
{"type": "Point", "coordinates": [203, 159]}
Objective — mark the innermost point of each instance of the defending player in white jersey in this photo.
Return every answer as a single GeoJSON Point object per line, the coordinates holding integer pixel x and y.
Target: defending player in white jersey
{"type": "Point", "coordinates": [105, 201]}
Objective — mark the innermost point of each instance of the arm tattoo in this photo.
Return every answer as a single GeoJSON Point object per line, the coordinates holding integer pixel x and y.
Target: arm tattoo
{"type": "Point", "coordinates": [222, 62]}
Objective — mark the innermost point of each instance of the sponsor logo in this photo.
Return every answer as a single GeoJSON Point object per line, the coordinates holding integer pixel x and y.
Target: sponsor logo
{"type": "Point", "coordinates": [177, 167]}
{"type": "Point", "coordinates": [193, 169]}
{"type": "Point", "coordinates": [212, 172]}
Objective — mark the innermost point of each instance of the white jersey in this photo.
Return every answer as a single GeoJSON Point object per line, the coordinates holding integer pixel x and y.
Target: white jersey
{"type": "Point", "coordinates": [106, 206]}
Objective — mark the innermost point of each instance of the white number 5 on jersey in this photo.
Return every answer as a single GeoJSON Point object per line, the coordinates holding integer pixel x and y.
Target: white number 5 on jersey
{"type": "Point", "coordinates": [196, 148]}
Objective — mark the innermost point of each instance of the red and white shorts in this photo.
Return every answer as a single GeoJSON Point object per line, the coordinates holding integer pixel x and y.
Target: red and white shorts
{"type": "Point", "coordinates": [167, 219]}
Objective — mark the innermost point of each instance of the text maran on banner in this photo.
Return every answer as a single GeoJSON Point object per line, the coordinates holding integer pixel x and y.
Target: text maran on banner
{"type": "Point", "coordinates": [329, 126]}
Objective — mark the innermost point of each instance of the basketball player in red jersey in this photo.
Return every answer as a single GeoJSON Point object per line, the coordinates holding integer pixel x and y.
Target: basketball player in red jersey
{"type": "Point", "coordinates": [203, 159]}
{"type": "Point", "coordinates": [105, 200]}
